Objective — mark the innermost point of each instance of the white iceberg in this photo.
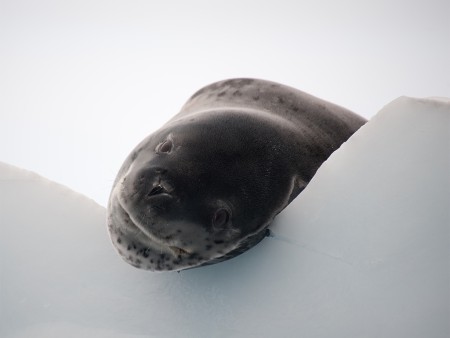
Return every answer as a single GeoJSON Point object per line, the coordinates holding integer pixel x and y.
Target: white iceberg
{"type": "Point", "coordinates": [364, 251]}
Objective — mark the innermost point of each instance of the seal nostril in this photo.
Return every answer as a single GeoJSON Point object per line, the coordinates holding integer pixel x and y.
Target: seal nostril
{"type": "Point", "coordinates": [156, 190]}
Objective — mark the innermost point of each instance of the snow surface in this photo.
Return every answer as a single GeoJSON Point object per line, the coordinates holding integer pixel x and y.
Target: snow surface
{"type": "Point", "coordinates": [364, 251]}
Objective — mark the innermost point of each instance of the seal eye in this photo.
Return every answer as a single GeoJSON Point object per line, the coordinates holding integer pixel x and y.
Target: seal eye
{"type": "Point", "coordinates": [220, 218]}
{"type": "Point", "coordinates": [165, 147]}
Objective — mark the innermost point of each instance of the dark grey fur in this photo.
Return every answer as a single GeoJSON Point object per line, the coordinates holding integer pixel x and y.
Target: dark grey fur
{"type": "Point", "coordinates": [204, 187]}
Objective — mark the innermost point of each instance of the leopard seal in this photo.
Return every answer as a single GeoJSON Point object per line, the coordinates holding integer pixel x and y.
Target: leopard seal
{"type": "Point", "coordinates": [205, 186]}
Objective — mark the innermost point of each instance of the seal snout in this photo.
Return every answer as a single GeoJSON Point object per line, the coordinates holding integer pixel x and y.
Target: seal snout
{"type": "Point", "coordinates": [147, 182]}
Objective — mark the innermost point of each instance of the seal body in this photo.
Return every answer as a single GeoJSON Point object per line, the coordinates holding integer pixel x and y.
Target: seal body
{"type": "Point", "coordinates": [206, 185]}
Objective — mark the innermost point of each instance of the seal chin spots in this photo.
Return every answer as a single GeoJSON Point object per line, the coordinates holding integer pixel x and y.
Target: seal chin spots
{"type": "Point", "coordinates": [203, 188]}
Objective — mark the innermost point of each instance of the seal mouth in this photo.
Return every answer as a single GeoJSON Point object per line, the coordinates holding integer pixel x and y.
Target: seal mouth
{"type": "Point", "coordinates": [179, 251]}
{"type": "Point", "coordinates": [153, 240]}
{"type": "Point", "coordinates": [133, 225]}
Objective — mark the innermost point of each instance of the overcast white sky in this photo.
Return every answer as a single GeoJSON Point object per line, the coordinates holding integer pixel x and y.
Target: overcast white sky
{"type": "Point", "coordinates": [82, 82]}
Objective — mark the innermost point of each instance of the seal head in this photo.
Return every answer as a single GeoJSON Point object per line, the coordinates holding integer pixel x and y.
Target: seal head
{"type": "Point", "coordinates": [204, 187]}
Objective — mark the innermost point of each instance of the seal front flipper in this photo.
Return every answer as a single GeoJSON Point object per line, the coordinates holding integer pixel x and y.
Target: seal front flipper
{"type": "Point", "coordinates": [298, 186]}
